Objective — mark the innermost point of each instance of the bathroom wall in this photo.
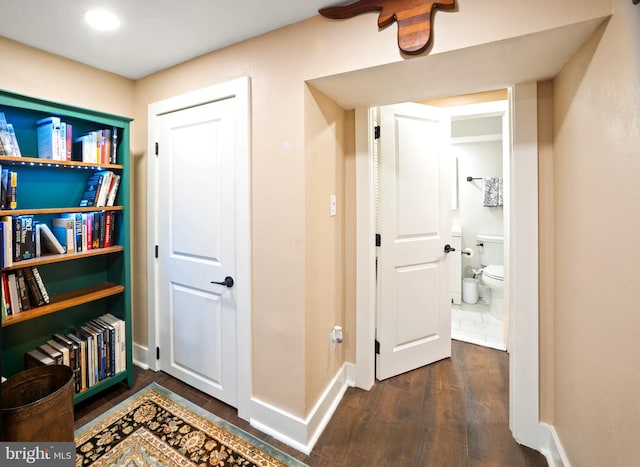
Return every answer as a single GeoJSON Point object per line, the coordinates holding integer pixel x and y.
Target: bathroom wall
{"type": "Point", "coordinates": [477, 146]}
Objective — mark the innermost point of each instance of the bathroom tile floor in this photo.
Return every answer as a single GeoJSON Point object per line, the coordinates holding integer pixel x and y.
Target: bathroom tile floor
{"type": "Point", "coordinates": [474, 324]}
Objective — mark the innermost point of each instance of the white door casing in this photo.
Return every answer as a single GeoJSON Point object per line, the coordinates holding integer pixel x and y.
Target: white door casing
{"type": "Point", "coordinates": [413, 324]}
{"type": "Point", "coordinates": [199, 216]}
{"type": "Point", "coordinates": [521, 221]}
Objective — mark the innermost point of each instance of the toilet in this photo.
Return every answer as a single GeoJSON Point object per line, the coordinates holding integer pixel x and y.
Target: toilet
{"type": "Point", "coordinates": [491, 249]}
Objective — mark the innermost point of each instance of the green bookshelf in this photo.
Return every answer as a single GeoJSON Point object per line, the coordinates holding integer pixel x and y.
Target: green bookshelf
{"type": "Point", "coordinates": [81, 285]}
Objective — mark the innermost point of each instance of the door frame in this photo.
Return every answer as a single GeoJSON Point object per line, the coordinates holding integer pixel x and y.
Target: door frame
{"type": "Point", "coordinates": [238, 89]}
{"type": "Point", "coordinates": [521, 227]}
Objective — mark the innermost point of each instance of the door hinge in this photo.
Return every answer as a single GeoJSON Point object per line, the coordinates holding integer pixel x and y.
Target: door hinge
{"type": "Point", "coordinates": [377, 347]}
{"type": "Point", "coordinates": [376, 132]}
{"type": "Point", "coordinates": [157, 353]}
{"type": "Point", "coordinates": [157, 148]}
{"type": "Point", "coordinates": [157, 251]}
{"type": "Point", "coordinates": [378, 240]}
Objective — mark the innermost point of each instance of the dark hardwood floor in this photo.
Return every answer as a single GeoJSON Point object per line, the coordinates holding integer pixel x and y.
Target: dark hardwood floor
{"type": "Point", "coordinates": [451, 413]}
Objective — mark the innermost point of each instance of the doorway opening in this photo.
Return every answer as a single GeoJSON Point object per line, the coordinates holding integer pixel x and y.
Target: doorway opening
{"type": "Point", "coordinates": [521, 220]}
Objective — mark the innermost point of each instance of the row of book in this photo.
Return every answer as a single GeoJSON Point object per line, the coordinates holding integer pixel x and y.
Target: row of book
{"type": "Point", "coordinates": [94, 351]}
{"type": "Point", "coordinates": [101, 189]}
{"type": "Point", "coordinates": [8, 142]}
{"type": "Point", "coordinates": [56, 142]}
{"type": "Point", "coordinates": [9, 188]}
{"type": "Point", "coordinates": [23, 237]}
{"type": "Point", "coordinates": [22, 290]}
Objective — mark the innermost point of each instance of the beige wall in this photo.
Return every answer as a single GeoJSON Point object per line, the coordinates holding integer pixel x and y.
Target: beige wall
{"type": "Point", "coordinates": [589, 322]}
{"type": "Point", "coordinates": [291, 318]}
{"type": "Point", "coordinates": [597, 227]}
{"type": "Point", "coordinates": [35, 73]}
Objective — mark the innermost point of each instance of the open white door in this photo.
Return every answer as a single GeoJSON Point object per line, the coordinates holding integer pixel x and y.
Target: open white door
{"type": "Point", "coordinates": [197, 246]}
{"type": "Point", "coordinates": [413, 326]}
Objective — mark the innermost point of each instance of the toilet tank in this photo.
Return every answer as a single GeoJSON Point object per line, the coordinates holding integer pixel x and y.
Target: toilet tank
{"type": "Point", "coordinates": [492, 251]}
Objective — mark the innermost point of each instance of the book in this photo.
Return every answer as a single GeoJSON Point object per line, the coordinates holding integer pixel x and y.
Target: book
{"type": "Point", "coordinates": [62, 142]}
{"type": "Point", "coordinates": [14, 141]}
{"type": "Point", "coordinates": [36, 238]}
{"type": "Point", "coordinates": [34, 358]}
{"type": "Point", "coordinates": [52, 353]}
{"type": "Point", "coordinates": [5, 136]}
{"type": "Point", "coordinates": [113, 191]}
{"type": "Point", "coordinates": [82, 359]}
{"type": "Point", "coordinates": [48, 137]}
{"type": "Point", "coordinates": [7, 228]}
{"type": "Point", "coordinates": [92, 350]}
{"type": "Point", "coordinates": [35, 294]}
{"type": "Point", "coordinates": [69, 141]}
{"type": "Point", "coordinates": [120, 340]}
{"type": "Point", "coordinates": [91, 190]}
{"type": "Point", "coordinates": [76, 219]}
{"type": "Point", "coordinates": [108, 228]}
{"type": "Point", "coordinates": [64, 230]}
{"type": "Point", "coordinates": [27, 245]}
{"type": "Point", "coordinates": [23, 291]}
{"type": "Point", "coordinates": [6, 193]}
{"type": "Point", "coordinates": [3, 306]}
{"type": "Point", "coordinates": [16, 241]}
{"type": "Point", "coordinates": [64, 351]}
{"type": "Point", "coordinates": [105, 185]}
{"type": "Point", "coordinates": [96, 224]}
{"type": "Point", "coordinates": [74, 357]}
{"type": "Point", "coordinates": [6, 297]}
{"type": "Point", "coordinates": [14, 295]}
{"type": "Point", "coordinates": [40, 284]}
{"type": "Point", "coordinates": [49, 241]}
{"type": "Point", "coordinates": [114, 145]}
{"type": "Point", "coordinates": [13, 190]}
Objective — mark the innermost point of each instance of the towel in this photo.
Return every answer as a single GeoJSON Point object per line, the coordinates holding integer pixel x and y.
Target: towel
{"type": "Point", "coordinates": [492, 191]}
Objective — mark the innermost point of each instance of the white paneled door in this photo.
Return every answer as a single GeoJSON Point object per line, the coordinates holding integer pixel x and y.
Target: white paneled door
{"type": "Point", "coordinates": [196, 233]}
{"type": "Point", "coordinates": [413, 325]}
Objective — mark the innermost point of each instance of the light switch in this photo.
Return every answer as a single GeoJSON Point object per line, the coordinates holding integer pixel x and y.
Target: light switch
{"type": "Point", "coordinates": [332, 205]}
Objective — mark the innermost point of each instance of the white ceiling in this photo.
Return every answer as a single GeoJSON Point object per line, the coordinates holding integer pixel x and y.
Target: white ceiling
{"type": "Point", "coordinates": [154, 34]}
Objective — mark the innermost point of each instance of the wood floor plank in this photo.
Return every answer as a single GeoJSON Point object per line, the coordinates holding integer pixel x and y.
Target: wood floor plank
{"type": "Point", "coordinates": [451, 413]}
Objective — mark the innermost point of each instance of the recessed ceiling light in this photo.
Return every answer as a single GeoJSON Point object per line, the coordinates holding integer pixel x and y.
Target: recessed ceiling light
{"type": "Point", "coordinates": [102, 20]}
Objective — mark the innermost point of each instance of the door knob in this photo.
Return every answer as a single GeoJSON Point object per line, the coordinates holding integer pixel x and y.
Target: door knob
{"type": "Point", "coordinates": [448, 248]}
{"type": "Point", "coordinates": [227, 282]}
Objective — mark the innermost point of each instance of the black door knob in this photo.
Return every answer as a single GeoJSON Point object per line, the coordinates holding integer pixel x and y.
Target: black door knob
{"type": "Point", "coordinates": [227, 282]}
{"type": "Point", "coordinates": [448, 248]}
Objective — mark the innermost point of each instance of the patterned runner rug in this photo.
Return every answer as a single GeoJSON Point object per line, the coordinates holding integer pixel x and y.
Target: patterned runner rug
{"type": "Point", "coordinates": [156, 427]}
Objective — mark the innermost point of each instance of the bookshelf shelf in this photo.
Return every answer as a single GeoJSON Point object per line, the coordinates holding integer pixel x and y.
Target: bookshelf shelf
{"type": "Point", "coordinates": [82, 286]}
{"type": "Point", "coordinates": [67, 300]}
{"type": "Point", "coordinates": [49, 259]}
{"type": "Point", "coordinates": [20, 212]}
{"type": "Point", "coordinates": [41, 163]}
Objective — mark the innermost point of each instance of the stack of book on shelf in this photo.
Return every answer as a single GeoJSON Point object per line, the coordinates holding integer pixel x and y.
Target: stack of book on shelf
{"type": "Point", "coordinates": [94, 351]}
{"type": "Point", "coordinates": [99, 147]}
{"type": "Point", "coordinates": [8, 142]}
{"type": "Point", "coordinates": [22, 290]}
{"type": "Point", "coordinates": [23, 238]}
{"type": "Point", "coordinates": [101, 189]}
{"type": "Point", "coordinates": [54, 139]}
{"type": "Point", "coordinates": [86, 231]}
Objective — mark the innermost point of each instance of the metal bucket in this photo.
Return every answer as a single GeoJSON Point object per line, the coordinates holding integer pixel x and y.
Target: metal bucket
{"type": "Point", "coordinates": [37, 405]}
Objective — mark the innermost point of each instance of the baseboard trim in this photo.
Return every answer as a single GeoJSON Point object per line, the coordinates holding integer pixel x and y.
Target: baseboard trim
{"type": "Point", "coordinates": [553, 451]}
{"type": "Point", "coordinates": [140, 356]}
{"type": "Point", "coordinates": [302, 434]}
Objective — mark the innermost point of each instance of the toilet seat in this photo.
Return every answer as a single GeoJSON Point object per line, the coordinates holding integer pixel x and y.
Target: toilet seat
{"type": "Point", "coordinates": [494, 271]}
